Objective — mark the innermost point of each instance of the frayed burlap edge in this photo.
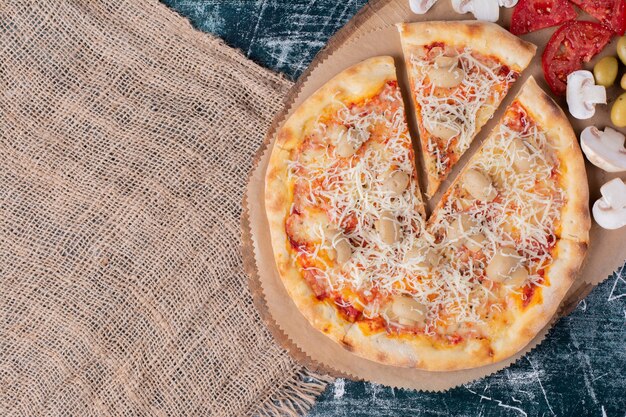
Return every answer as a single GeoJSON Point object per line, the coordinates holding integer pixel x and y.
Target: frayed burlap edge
{"type": "Point", "coordinates": [297, 395]}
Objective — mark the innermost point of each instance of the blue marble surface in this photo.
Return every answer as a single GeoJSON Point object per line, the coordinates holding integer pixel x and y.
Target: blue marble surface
{"type": "Point", "coordinates": [579, 370]}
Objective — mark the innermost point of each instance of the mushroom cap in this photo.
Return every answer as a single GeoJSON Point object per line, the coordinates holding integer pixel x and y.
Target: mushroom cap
{"type": "Point", "coordinates": [614, 193]}
{"type": "Point", "coordinates": [583, 94]}
{"type": "Point", "coordinates": [421, 6]}
{"type": "Point", "coordinates": [604, 149]}
{"type": "Point", "coordinates": [610, 210]}
{"type": "Point", "coordinates": [462, 6]}
{"type": "Point", "coordinates": [486, 10]}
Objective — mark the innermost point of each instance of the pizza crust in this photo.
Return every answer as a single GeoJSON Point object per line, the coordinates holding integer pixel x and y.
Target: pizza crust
{"type": "Point", "coordinates": [415, 351]}
{"type": "Point", "coordinates": [359, 81]}
{"type": "Point", "coordinates": [561, 275]}
{"type": "Point", "coordinates": [485, 38]}
{"type": "Point", "coordinates": [575, 218]}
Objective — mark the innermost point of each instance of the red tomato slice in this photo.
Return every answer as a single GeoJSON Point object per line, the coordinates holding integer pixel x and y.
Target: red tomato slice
{"type": "Point", "coordinates": [532, 15]}
{"type": "Point", "coordinates": [572, 44]}
{"type": "Point", "coordinates": [612, 13]}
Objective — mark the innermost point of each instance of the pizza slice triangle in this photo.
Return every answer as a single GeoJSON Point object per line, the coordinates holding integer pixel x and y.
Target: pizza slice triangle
{"type": "Point", "coordinates": [459, 72]}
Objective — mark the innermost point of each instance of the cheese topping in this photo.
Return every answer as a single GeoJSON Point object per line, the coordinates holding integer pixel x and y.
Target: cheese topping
{"type": "Point", "coordinates": [524, 215]}
{"type": "Point", "coordinates": [441, 263]}
{"type": "Point", "coordinates": [452, 119]}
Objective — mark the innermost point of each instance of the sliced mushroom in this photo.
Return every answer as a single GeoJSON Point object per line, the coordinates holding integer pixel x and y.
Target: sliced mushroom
{"type": "Point", "coordinates": [478, 185]}
{"type": "Point", "coordinates": [610, 210]}
{"type": "Point", "coordinates": [343, 250]}
{"type": "Point", "coordinates": [428, 257]}
{"type": "Point", "coordinates": [521, 155]}
{"type": "Point", "coordinates": [335, 131]}
{"type": "Point", "coordinates": [443, 61]}
{"type": "Point", "coordinates": [487, 10]}
{"type": "Point", "coordinates": [604, 149]}
{"type": "Point", "coordinates": [518, 277]}
{"type": "Point", "coordinates": [460, 227]}
{"type": "Point", "coordinates": [475, 242]}
{"type": "Point", "coordinates": [503, 264]}
{"type": "Point", "coordinates": [350, 142]}
{"type": "Point", "coordinates": [407, 311]}
{"type": "Point", "coordinates": [441, 130]}
{"type": "Point", "coordinates": [396, 182]}
{"type": "Point", "coordinates": [388, 228]}
{"type": "Point", "coordinates": [345, 148]}
{"type": "Point", "coordinates": [446, 72]}
{"type": "Point", "coordinates": [340, 248]}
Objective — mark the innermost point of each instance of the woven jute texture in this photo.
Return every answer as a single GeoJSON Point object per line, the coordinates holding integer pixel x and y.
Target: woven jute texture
{"type": "Point", "coordinates": [126, 138]}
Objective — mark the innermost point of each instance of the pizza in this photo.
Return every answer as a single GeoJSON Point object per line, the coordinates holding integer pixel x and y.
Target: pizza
{"type": "Point", "coordinates": [467, 286]}
{"type": "Point", "coordinates": [459, 73]}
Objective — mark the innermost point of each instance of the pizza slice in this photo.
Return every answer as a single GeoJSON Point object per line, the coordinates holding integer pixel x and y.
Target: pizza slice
{"type": "Point", "coordinates": [342, 197]}
{"type": "Point", "coordinates": [509, 236]}
{"type": "Point", "coordinates": [459, 73]}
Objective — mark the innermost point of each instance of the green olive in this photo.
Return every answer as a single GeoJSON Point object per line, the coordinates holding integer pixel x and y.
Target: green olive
{"type": "Point", "coordinates": [621, 49]}
{"type": "Point", "coordinates": [605, 71]}
{"type": "Point", "coordinates": [618, 111]}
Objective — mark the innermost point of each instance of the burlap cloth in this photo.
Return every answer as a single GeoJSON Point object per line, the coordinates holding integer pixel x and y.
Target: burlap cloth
{"type": "Point", "coordinates": [126, 138]}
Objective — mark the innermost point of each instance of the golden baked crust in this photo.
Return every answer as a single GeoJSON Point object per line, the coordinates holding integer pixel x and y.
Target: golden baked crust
{"type": "Point", "coordinates": [575, 219]}
{"type": "Point", "coordinates": [528, 322]}
{"type": "Point", "coordinates": [485, 38]}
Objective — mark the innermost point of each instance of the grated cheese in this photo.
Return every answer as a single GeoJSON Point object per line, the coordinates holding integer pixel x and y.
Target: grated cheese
{"type": "Point", "coordinates": [351, 193]}
{"type": "Point", "coordinates": [460, 108]}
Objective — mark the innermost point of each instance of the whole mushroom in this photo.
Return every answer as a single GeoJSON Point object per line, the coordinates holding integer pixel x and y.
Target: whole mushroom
{"type": "Point", "coordinates": [610, 210]}
{"type": "Point", "coordinates": [583, 94]}
{"type": "Point", "coordinates": [605, 149]}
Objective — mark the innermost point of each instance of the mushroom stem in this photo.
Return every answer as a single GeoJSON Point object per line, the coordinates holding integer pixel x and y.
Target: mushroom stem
{"type": "Point", "coordinates": [462, 6]}
{"type": "Point", "coordinates": [594, 94]}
